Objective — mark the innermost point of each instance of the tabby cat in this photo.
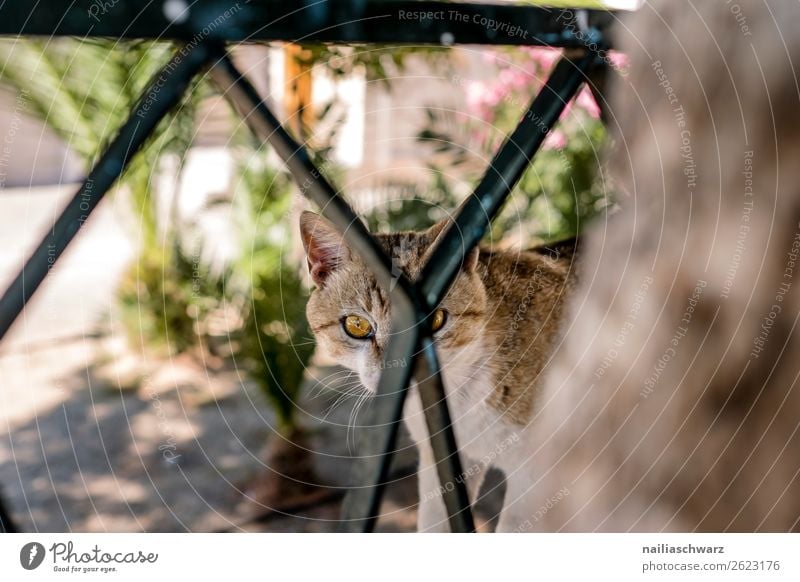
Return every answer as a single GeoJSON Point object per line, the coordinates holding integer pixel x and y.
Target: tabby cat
{"type": "Point", "coordinates": [495, 331]}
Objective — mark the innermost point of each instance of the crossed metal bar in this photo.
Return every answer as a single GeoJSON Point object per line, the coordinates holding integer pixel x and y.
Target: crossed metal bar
{"type": "Point", "coordinates": [412, 302]}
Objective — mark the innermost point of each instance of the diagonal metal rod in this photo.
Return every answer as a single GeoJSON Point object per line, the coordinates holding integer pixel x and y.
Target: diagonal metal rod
{"type": "Point", "coordinates": [443, 442]}
{"type": "Point", "coordinates": [471, 223]}
{"type": "Point", "coordinates": [505, 170]}
{"type": "Point", "coordinates": [312, 182]}
{"type": "Point", "coordinates": [377, 441]}
{"type": "Point", "coordinates": [164, 92]}
{"type": "Point", "coordinates": [507, 167]}
{"type": "Point", "coordinates": [502, 175]}
{"type": "Point", "coordinates": [362, 504]}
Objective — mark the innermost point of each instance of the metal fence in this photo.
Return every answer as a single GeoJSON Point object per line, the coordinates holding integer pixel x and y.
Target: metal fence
{"type": "Point", "coordinates": [201, 31]}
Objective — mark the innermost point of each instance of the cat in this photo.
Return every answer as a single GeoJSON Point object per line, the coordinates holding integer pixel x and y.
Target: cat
{"type": "Point", "coordinates": [495, 331]}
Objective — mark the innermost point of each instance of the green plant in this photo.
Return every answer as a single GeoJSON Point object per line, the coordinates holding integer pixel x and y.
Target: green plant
{"type": "Point", "coordinates": [275, 342]}
{"type": "Point", "coordinates": [411, 206]}
{"type": "Point", "coordinates": [560, 191]}
{"type": "Point", "coordinates": [166, 296]}
{"type": "Point", "coordinates": [84, 91]}
{"type": "Point", "coordinates": [379, 63]}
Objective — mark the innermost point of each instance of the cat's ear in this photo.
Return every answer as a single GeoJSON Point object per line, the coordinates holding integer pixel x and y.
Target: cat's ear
{"type": "Point", "coordinates": [470, 261]}
{"type": "Point", "coordinates": [325, 248]}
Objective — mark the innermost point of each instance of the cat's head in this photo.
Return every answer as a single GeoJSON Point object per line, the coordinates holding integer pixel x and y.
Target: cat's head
{"type": "Point", "coordinates": [349, 312]}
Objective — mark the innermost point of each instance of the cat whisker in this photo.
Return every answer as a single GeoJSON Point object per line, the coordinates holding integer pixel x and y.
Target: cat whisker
{"type": "Point", "coordinates": [365, 397]}
{"type": "Point", "coordinates": [328, 382]}
{"type": "Point", "coordinates": [352, 391]}
{"type": "Point", "coordinates": [345, 385]}
{"type": "Point", "coordinates": [338, 373]}
{"type": "Point", "coordinates": [337, 401]}
{"type": "Point", "coordinates": [349, 391]}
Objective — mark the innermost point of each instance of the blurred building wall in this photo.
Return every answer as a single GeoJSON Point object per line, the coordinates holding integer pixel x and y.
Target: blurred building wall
{"type": "Point", "coordinates": [30, 154]}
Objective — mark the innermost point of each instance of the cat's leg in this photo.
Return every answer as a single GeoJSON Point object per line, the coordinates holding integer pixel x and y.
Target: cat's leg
{"type": "Point", "coordinates": [431, 513]}
{"type": "Point", "coordinates": [521, 501]}
{"type": "Point", "coordinates": [519, 504]}
{"type": "Point", "coordinates": [475, 473]}
{"type": "Point", "coordinates": [432, 516]}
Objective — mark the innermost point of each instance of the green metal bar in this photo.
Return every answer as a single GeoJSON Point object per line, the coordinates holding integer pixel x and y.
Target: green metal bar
{"type": "Point", "coordinates": [335, 21]}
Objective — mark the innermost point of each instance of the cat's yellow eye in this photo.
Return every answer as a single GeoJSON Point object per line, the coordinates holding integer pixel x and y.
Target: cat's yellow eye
{"type": "Point", "coordinates": [357, 327]}
{"type": "Point", "coordinates": [439, 317]}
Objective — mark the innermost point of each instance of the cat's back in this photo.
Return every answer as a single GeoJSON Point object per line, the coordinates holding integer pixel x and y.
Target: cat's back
{"type": "Point", "coordinates": [545, 270]}
{"type": "Point", "coordinates": [526, 293]}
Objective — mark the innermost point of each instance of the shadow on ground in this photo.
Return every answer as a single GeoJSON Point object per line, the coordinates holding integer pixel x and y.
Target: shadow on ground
{"type": "Point", "coordinates": [179, 456]}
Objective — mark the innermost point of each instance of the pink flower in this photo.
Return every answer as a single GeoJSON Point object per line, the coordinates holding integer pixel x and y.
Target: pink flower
{"type": "Point", "coordinates": [585, 101]}
{"type": "Point", "coordinates": [490, 56]}
{"type": "Point", "coordinates": [544, 57]}
{"type": "Point", "coordinates": [495, 95]}
{"type": "Point", "coordinates": [475, 96]}
{"type": "Point", "coordinates": [618, 60]}
{"type": "Point", "coordinates": [514, 78]}
{"type": "Point", "coordinates": [555, 140]}
{"type": "Point", "coordinates": [518, 79]}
